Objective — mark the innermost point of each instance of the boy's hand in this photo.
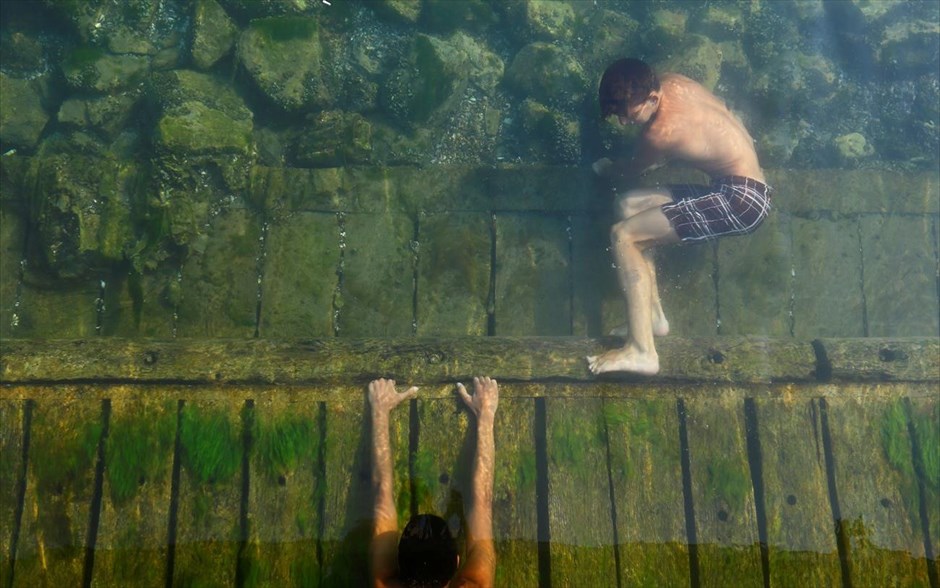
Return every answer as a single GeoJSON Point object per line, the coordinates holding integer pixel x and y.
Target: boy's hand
{"type": "Point", "coordinates": [383, 397]}
{"type": "Point", "coordinates": [485, 397]}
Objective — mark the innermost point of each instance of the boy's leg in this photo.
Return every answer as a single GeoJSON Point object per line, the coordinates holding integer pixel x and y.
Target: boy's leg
{"type": "Point", "coordinates": [630, 239]}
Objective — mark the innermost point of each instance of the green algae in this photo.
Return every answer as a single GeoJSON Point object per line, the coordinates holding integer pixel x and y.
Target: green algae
{"type": "Point", "coordinates": [282, 444]}
{"type": "Point", "coordinates": [211, 445]}
{"type": "Point", "coordinates": [285, 28]}
{"type": "Point", "coordinates": [425, 479]}
{"type": "Point", "coordinates": [726, 480]}
{"type": "Point", "coordinates": [64, 457]}
{"type": "Point", "coordinates": [138, 449]}
{"type": "Point", "coordinates": [894, 438]}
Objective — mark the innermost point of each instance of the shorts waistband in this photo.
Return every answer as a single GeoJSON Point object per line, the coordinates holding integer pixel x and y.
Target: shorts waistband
{"type": "Point", "coordinates": [739, 180]}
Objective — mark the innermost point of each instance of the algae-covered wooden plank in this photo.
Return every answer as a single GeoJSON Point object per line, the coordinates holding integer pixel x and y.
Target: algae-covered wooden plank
{"type": "Point", "coordinates": [646, 474]}
{"type": "Point", "coordinates": [925, 417]}
{"type": "Point", "coordinates": [64, 436]}
{"type": "Point", "coordinates": [285, 490]}
{"type": "Point", "coordinates": [208, 528]}
{"type": "Point", "coordinates": [515, 519]}
{"type": "Point", "coordinates": [579, 507]}
{"type": "Point", "coordinates": [533, 283]}
{"type": "Point", "coordinates": [12, 423]}
{"type": "Point", "coordinates": [131, 548]}
{"type": "Point", "coordinates": [347, 490]}
{"type": "Point", "coordinates": [900, 276]}
{"type": "Point", "coordinates": [302, 255]}
{"type": "Point", "coordinates": [377, 284]}
{"type": "Point", "coordinates": [801, 537]}
{"type": "Point", "coordinates": [827, 292]}
{"type": "Point", "coordinates": [877, 490]}
{"type": "Point", "coordinates": [219, 286]}
{"type": "Point", "coordinates": [333, 360]}
{"type": "Point", "coordinates": [722, 492]}
{"type": "Point", "coordinates": [453, 273]}
{"type": "Point", "coordinates": [882, 359]}
{"type": "Point", "coordinates": [442, 464]}
{"type": "Point", "coordinates": [754, 280]}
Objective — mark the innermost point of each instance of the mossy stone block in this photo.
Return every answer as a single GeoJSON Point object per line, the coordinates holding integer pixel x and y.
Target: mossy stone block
{"type": "Point", "coordinates": [286, 59]}
{"type": "Point", "coordinates": [92, 69]}
{"type": "Point", "coordinates": [533, 282]}
{"type": "Point", "coordinates": [597, 303]}
{"type": "Point", "coordinates": [196, 129]}
{"type": "Point", "coordinates": [377, 287]}
{"type": "Point", "coordinates": [141, 305]}
{"type": "Point", "coordinates": [686, 279]}
{"type": "Point", "coordinates": [300, 276]}
{"type": "Point", "coordinates": [547, 73]}
{"type": "Point", "coordinates": [453, 273]}
{"type": "Point", "coordinates": [796, 493]}
{"type": "Point", "coordinates": [855, 191]}
{"type": "Point", "coordinates": [214, 33]}
{"type": "Point", "coordinates": [754, 280]}
{"type": "Point", "coordinates": [282, 190]}
{"type": "Point", "coordinates": [41, 310]}
{"type": "Point", "coordinates": [22, 117]}
{"type": "Point", "coordinates": [722, 493]}
{"type": "Point", "coordinates": [900, 286]}
{"type": "Point", "coordinates": [646, 478]}
{"type": "Point", "coordinates": [12, 243]}
{"type": "Point", "coordinates": [828, 300]}
{"type": "Point", "coordinates": [219, 289]}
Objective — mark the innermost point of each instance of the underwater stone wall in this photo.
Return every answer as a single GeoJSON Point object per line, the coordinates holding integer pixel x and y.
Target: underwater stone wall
{"type": "Point", "coordinates": [284, 168]}
{"type": "Point", "coordinates": [514, 250]}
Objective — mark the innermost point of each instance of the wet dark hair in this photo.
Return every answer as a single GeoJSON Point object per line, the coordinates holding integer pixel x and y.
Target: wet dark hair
{"type": "Point", "coordinates": [626, 82]}
{"type": "Point", "coordinates": [427, 552]}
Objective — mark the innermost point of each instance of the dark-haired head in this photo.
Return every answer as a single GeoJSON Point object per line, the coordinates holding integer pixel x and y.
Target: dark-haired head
{"type": "Point", "coordinates": [626, 82]}
{"type": "Point", "coordinates": [427, 552]}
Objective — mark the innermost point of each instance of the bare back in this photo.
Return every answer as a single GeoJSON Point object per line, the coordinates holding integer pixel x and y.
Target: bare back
{"type": "Point", "coordinates": [695, 127]}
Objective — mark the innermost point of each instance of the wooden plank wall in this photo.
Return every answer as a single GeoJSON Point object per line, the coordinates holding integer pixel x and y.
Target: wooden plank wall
{"type": "Point", "coordinates": [607, 484]}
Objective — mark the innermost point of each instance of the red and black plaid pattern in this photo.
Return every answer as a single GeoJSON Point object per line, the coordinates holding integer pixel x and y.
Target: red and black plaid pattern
{"type": "Point", "coordinates": [732, 205]}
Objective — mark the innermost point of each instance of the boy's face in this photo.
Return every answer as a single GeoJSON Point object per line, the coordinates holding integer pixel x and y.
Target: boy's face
{"type": "Point", "coordinates": [639, 114]}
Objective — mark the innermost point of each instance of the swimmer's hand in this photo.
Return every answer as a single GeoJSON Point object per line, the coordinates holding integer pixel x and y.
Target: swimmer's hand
{"type": "Point", "coordinates": [603, 166]}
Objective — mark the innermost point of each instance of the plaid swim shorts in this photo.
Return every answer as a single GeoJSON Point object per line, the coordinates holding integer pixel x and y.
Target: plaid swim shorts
{"type": "Point", "coordinates": [732, 205]}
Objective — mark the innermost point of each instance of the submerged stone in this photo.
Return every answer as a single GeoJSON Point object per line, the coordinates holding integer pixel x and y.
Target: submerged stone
{"type": "Point", "coordinates": [548, 74]}
{"type": "Point", "coordinates": [91, 69]}
{"type": "Point", "coordinates": [22, 117]}
{"type": "Point", "coordinates": [107, 115]}
{"type": "Point", "coordinates": [335, 138]}
{"type": "Point", "coordinates": [214, 33]}
{"type": "Point", "coordinates": [286, 59]}
{"type": "Point", "coordinates": [550, 19]}
{"type": "Point", "coordinates": [698, 58]}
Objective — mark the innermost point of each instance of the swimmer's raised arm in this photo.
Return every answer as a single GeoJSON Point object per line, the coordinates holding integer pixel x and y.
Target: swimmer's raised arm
{"type": "Point", "coordinates": [383, 548]}
{"type": "Point", "coordinates": [480, 568]}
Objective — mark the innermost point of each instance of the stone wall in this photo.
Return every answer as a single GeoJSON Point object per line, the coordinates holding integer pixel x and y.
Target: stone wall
{"type": "Point", "coordinates": [450, 251]}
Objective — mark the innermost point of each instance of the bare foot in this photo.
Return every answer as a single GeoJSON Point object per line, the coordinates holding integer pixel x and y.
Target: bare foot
{"type": "Point", "coordinates": [626, 359]}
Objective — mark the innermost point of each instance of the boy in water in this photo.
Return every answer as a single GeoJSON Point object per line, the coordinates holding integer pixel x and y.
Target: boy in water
{"type": "Point", "coordinates": [426, 554]}
{"type": "Point", "coordinates": [685, 123]}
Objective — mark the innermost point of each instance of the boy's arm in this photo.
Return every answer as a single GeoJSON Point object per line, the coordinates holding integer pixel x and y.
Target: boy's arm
{"type": "Point", "coordinates": [644, 159]}
{"type": "Point", "coordinates": [480, 567]}
{"type": "Point", "coordinates": [383, 548]}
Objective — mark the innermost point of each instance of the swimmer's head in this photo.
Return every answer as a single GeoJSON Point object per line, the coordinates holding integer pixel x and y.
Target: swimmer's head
{"type": "Point", "coordinates": [427, 553]}
{"type": "Point", "coordinates": [626, 83]}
